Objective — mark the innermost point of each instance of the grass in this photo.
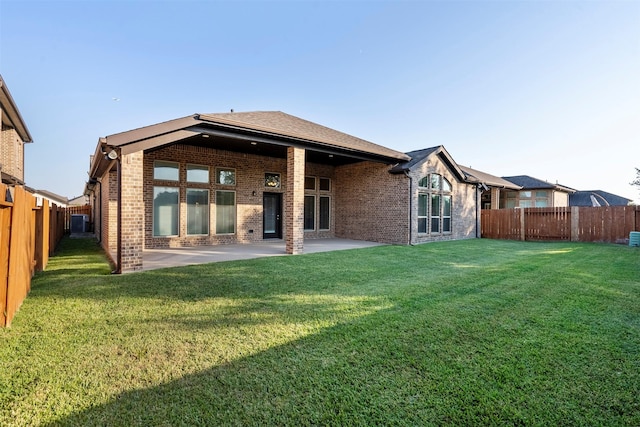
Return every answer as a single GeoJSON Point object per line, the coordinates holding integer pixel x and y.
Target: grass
{"type": "Point", "coordinates": [477, 332]}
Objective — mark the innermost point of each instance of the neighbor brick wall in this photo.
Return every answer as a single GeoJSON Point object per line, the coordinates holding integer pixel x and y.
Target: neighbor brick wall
{"type": "Point", "coordinates": [372, 204]}
{"type": "Point", "coordinates": [12, 153]}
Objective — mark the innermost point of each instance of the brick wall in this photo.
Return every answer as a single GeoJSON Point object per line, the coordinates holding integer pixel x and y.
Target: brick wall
{"type": "Point", "coordinates": [372, 204]}
{"type": "Point", "coordinates": [110, 208]}
{"type": "Point", "coordinates": [250, 170]}
{"type": "Point", "coordinates": [133, 220]}
{"type": "Point", "coordinates": [294, 205]}
{"type": "Point", "coordinates": [11, 152]}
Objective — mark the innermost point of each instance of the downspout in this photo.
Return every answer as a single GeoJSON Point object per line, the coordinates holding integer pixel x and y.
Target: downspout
{"type": "Point", "coordinates": [118, 269]}
{"type": "Point", "coordinates": [406, 173]}
{"type": "Point", "coordinates": [98, 210]}
{"type": "Point", "coordinates": [477, 216]}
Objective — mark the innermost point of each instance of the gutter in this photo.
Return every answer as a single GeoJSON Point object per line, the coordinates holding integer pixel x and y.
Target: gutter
{"type": "Point", "coordinates": [406, 173]}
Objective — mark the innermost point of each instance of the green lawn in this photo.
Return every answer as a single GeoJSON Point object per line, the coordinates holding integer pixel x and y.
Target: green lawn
{"type": "Point", "coordinates": [478, 332]}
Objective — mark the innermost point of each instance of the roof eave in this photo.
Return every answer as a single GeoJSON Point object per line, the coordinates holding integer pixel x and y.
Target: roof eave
{"type": "Point", "coordinates": [11, 109]}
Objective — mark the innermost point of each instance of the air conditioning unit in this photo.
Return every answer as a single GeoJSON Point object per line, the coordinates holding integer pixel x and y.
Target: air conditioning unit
{"type": "Point", "coordinates": [79, 223]}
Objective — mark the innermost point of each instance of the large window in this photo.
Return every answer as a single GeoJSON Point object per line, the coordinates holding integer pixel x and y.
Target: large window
{"type": "Point", "coordinates": [225, 212]}
{"type": "Point", "coordinates": [167, 171]}
{"type": "Point", "coordinates": [165, 211]}
{"type": "Point", "coordinates": [434, 204]}
{"type": "Point", "coordinates": [317, 203]}
{"type": "Point", "coordinates": [325, 212]}
{"type": "Point", "coordinates": [197, 211]}
{"type": "Point", "coordinates": [309, 213]}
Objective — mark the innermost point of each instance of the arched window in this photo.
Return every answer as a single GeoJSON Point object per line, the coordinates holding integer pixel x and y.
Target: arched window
{"type": "Point", "coordinates": [434, 204]}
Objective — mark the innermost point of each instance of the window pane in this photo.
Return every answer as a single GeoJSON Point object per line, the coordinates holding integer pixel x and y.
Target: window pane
{"type": "Point", "coordinates": [423, 207]}
{"type": "Point", "coordinates": [225, 212]}
{"type": "Point", "coordinates": [446, 214]}
{"type": "Point", "coordinates": [525, 203]}
{"type": "Point", "coordinates": [197, 173]}
{"type": "Point", "coordinates": [446, 185]}
{"type": "Point", "coordinates": [225, 176]}
{"type": "Point", "coordinates": [272, 180]}
{"type": "Point", "coordinates": [525, 194]}
{"type": "Point", "coordinates": [542, 194]}
{"type": "Point", "coordinates": [423, 202]}
{"type": "Point", "coordinates": [435, 181]}
{"type": "Point", "coordinates": [446, 205]}
{"type": "Point", "coordinates": [424, 182]}
{"type": "Point", "coordinates": [542, 203]}
{"type": "Point", "coordinates": [309, 183]}
{"type": "Point", "coordinates": [197, 211]}
{"type": "Point", "coordinates": [325, 184]}
{"type": "Point", "coordinates": [166, 170]}
{"type": "Point", "coordinates": [435, 213]}
{"type": "Point", "coordinates": [325, 209]}
{"type": "Point", "coordinates": [165, 211]}
{"type": "Point", "coordinates": [422, 225]}
{"type": "Point", "coordinates": [309, 212]}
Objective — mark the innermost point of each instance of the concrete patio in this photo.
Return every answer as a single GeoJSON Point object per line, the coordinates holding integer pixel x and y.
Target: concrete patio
{"type": "Point", "coordinates": [160, 258]}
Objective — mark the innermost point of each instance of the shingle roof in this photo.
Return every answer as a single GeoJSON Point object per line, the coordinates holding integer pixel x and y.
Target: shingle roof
{"type": "Point", "coordinates": [530, 183]}
{"type": "Point", "coordinates": [597, 198]}
{"type": "Point", "coordinates": [279, 123]}
{"type": "Point", "coordinates": [488, 179]}
{"type": "Point", "coordinates": [420, 155]}
{"type": "Point", "coordinates": [416, 157]}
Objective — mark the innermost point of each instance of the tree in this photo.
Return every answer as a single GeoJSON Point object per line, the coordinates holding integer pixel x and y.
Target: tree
{"type": "Point", "coordinates": [636, 181]}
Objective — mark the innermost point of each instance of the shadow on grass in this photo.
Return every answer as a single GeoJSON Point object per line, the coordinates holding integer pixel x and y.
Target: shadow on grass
{"type": "Point", "coordinates": [404, 360]}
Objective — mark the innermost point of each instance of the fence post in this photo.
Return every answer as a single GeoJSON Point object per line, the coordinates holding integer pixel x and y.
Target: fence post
{"type": "Point", "coordinates": [575, 224]}
{"type": "Point", "coordinates": [523, 223]}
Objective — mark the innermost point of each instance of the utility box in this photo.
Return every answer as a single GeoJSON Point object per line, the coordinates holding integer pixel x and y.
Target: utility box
{"type": "Point", "coordinates": [634, 238]}
{"type": "Point", "coordinates": [79, 223]}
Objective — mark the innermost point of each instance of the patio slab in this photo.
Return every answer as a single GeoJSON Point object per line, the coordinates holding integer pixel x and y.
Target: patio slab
{"type": "Point", "coordinates": [160, 258]}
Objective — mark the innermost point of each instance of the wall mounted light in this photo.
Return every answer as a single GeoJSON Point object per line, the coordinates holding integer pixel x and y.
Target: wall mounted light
{"type": "Point", "coordinates": [112, 155]}
{"type": "Point", "coordinates": [254, 143]}
{"type": "Point", "coordinates": [253, 193]}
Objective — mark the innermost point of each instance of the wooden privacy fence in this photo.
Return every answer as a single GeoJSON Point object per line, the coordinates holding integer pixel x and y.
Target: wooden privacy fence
{"type": "Point", "coordinates": [28, 236]}
{"type": "Point", "coordinates": [611, 224]}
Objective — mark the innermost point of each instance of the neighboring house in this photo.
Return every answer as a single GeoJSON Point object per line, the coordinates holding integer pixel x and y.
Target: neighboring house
{"type": "Point", "coordinates": [212, 179]}
{"type": "Point", "coordinates": [79, 201]}
{"type": "Point", "coordinates": [13, 135]}
{"type": "Point", "coordinates": [493, 187]}
{"type": "Point", "coordinates": [597, 198]}
{"type": "Point", "coordinates": [60, 201]}
{"type": "Point", "coordinates": [534, 193]}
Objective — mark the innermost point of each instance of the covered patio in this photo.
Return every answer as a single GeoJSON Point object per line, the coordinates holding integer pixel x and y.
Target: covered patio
{"type": "Point", "coordinates": [175, 257]}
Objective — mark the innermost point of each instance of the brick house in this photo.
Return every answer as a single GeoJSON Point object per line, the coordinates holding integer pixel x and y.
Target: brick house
{"type": "Point", "coordinates": [214, 179]}
{"type": "Point", "coordinates": [13, 135]}
{"type": "Point", "coordinates": [535, 193]}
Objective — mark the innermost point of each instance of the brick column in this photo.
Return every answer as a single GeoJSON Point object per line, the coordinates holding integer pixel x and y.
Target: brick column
{"type": "Point", "coordinates": [294, 206]}
{"type": "Point", "coordinates": [132, 211]}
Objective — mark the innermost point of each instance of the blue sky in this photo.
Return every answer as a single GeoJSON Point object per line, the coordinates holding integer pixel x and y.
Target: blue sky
{"type": "Point", "coordinates": [541, 88]}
